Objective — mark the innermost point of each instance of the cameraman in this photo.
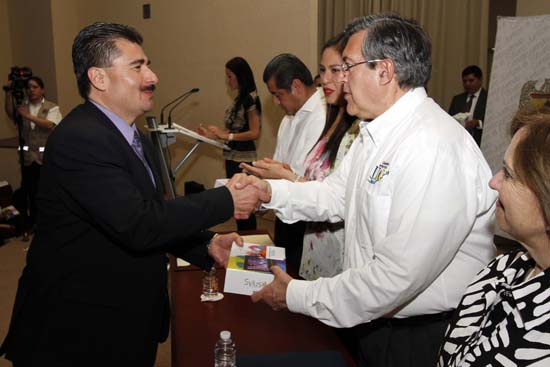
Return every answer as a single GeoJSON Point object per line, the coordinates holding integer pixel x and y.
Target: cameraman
{"type": "Point", "coordinates": [38, 118]}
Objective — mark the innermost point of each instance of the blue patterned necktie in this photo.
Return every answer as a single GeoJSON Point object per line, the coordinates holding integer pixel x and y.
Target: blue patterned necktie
{"type": "Point", "coordinates": [138, 148]}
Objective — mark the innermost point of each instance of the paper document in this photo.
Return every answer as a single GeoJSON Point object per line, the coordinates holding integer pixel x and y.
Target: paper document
{"type": "Point", "coordinates": [195, 135]}
{"type": "Point", "coordinates": [461, 117]}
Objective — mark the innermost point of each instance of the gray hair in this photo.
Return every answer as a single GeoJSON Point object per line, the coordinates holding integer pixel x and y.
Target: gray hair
{"type": "Point", "coordinates": [401, 40]}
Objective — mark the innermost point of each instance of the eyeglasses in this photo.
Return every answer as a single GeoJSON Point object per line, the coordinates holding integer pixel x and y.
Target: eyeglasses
{"type": "Point", "coordinates": [345, 66]}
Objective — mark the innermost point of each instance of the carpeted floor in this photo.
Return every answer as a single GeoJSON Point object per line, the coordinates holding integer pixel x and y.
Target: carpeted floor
{"type": "Point", "coordinates": [12, 261]}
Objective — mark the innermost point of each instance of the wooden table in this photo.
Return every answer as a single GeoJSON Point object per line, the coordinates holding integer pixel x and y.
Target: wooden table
{"type": "Point", "coordinates": [256, 329]}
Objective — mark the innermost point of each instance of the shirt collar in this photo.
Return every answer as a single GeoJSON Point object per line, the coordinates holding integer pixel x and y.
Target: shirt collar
{"type": "Point", "coordinates": [525, 292]}
{"type": "Point", "coordinates": [381, 127]}
{"type": "Point", "coordinates": [126, 130]}
{"type": "Point", "coordinates": [312, 102]}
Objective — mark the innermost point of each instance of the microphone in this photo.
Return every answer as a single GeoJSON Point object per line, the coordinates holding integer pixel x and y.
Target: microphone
{"type": "Point", "coordinates": [194, 90]}
{"type": "Point", "coordinates": [183, 98]}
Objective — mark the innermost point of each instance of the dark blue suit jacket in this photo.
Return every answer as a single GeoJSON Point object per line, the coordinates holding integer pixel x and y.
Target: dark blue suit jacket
{"type": "Point", "coordinates": [94, 290]}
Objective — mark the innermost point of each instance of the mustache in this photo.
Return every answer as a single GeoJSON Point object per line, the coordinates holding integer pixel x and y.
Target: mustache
{"type": "Point", "coordinates": [150, 88]}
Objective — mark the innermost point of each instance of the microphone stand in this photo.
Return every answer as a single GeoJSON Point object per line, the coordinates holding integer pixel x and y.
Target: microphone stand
{"type": "Point", "coordinates": [183, 98]}
{"type": "Point", "coordinates": [18, 121]}
{"type": "Point", "coordinates": [162, 137]}
{"type": "Point", "coordinates": [160, 142]}
{"type": "Point", "coordinates": [175, 100]}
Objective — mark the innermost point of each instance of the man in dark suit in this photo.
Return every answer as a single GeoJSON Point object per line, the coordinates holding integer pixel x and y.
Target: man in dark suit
{"type": "Point", "coordinates": [94, 292]}
{"type": "Point", "coordinates": [472, 101]}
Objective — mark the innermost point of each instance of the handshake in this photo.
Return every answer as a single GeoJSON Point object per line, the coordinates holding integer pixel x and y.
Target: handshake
{"type": "Point", "coordinates": [248, 193]}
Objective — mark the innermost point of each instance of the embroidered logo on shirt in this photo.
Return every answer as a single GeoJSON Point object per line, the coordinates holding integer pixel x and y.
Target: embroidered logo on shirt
{"type": "Point", "coordinates": [379, 172]}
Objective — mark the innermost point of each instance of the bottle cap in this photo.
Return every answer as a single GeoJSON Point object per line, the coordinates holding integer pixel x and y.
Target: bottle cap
{"type": "Point", "coordinates": [225, 335]}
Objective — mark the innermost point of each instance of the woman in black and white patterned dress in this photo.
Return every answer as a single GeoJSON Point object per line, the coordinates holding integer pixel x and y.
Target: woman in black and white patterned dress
{"type": "Point", "coordinates": [242, 124]}
{"type": "Point", "coordinates": [504, 316]}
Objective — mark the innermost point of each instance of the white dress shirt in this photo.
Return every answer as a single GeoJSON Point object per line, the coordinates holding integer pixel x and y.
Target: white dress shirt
{"type": "Point", "coordinates": [419, 215]}
{"type": "Point", "coordinates": [299, 133]}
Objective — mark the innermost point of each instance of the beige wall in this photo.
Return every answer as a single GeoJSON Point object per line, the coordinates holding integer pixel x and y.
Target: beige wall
{"type": "Point", "coordinates": [26, 39]}
{"type": "Point", "coordinates": [65, 25]}
{"type": "Point", "coordinates": [31, 36]}
{"type": "Point", "coordinates": [532, 7]}
{"type": "Point", "coordinates": [188, 43]}
{"type": "Point", "coordinates": [9, 170]}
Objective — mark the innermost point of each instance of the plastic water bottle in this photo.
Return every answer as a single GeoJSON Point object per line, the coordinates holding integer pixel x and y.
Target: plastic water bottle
{"type": "Point", "coordinates": [225, 352]}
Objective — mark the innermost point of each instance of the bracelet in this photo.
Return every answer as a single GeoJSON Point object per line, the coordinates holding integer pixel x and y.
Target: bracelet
{"type": "Point", "coordinates": [298, 177]}
{"type": "Point", "coordinates": [230, 137]}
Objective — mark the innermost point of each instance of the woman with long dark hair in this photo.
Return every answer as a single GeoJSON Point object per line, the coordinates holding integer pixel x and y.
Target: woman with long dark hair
{"type": "Point", "coordinates": [242, 123]}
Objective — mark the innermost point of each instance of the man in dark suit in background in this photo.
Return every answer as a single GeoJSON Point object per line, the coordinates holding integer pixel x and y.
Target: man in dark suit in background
{"type": "Point", "coordinates": [472, 101]}
{"type": "Point", "coordinates": [94, 292]}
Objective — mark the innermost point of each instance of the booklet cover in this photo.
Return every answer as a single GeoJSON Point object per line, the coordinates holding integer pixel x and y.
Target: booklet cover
{"type": "Point", "coordinates": [248, 267]}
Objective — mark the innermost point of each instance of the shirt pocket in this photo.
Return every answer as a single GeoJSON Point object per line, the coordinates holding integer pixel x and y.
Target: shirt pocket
{"type": "Point", "coordinates": [375, 217]}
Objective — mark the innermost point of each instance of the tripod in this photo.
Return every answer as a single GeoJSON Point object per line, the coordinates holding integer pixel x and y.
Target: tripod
{"type": "Point", "coordinates": [22, 201]}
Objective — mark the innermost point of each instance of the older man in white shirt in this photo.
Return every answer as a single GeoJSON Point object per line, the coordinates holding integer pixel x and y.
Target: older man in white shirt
{"type": "Point", "coordinates": [413, 192]}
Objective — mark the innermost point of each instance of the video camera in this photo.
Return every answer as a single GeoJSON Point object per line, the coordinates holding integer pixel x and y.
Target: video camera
{"type": "Point", "coordinates": [19, 77]}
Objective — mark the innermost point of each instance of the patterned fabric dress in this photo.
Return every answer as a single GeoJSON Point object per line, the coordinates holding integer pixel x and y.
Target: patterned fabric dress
{"type": "Point", "coordinates": [237, 122]}
{"type": "Point", "coordinates": [503, 319]}
{"type": "Point", "coordinates": [323, 247]}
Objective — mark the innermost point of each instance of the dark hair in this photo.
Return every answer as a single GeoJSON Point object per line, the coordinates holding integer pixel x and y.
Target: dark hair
{"type": "Point", "coordinates": [337, 42]}
{"type": "Point", "coordinates": [245, 79]}
{"type": "Point", "coordinates": [336, 114]}
{"type": "Point", "coordinates": [284, 69]}
{"type": "Point", "coordinates": [339, 116]}
{"type": "Point", "coordinates": [401, 40]}
{"type": "Point", "coordinates": [531, 160]}
{"type": "Point", "coordinates": [472, 69]}
{"type": "Point", "coordinates": [37, 80]}
{"type": "Point", "coordinates": [95, 46]}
